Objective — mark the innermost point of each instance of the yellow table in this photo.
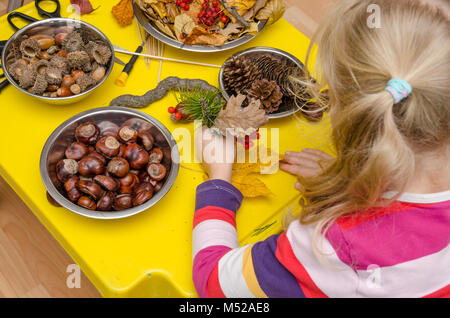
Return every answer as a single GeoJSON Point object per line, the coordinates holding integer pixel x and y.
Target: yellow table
{"type": "Point", "coordinates": [149, 254]}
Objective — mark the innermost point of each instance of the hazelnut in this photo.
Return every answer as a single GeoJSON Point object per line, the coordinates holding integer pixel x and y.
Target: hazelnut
{"type": "Point", "coordinates": [87, 133]}
{"type": "Point", "coordinates": [76, 151]}
{"type": "Point", "coordinates": [87, 203]}
{"type": "Point", "coordinates": [90, 166]}
{"type": "Point", "coordinates": [66, 168]}
{"type": "Point", "coordinates": [52, 88]}
{"type": "Point", "coordinates": [137, 157]}
{"type": "Point", "coordinates": [108, 146]}
{"type": "Point", "coordinates": [118, 167]}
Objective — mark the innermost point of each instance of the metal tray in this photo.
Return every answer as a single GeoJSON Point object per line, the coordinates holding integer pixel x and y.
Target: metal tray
{"type": "Point", "coordinates": [263, 49]}
{"type": "Point", "coordinates": [156, 33]}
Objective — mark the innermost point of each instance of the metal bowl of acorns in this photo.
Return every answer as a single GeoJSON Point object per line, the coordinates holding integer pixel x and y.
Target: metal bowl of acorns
{"type": "Point", "coordinates": [58, 61]}
{"type": "Point", "coordinates": [266, 74]}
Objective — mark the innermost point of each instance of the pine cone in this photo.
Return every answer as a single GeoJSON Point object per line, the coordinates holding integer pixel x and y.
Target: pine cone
{"type": "Point", "coordinates": [239, 73]}
{"type": "Point", "coordinates": [268, 92]}
{"type": "Point", "coordinates": [278, 69]}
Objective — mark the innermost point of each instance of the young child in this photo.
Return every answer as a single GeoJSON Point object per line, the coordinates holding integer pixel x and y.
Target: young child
{"type": "Point", "coordinates": [375, 220]}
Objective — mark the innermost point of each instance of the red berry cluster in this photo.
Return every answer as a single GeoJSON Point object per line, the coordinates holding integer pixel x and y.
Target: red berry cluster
{"type": "Point", "coordinates": [184, 4]}
{"type": "Point", "coordinates": [211, 13]}
{"type": "Point", "coordinates": [176, 115]}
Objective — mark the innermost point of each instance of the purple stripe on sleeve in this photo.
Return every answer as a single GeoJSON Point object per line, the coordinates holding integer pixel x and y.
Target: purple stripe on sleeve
{"type": "Point", "coordinates": [218, 193]}
{"type": "Point", "coordinates": [393, 238]}
{"type": "Point", "coordinates": [273, 278]}
{"type": "Point", "coordinates": [204, 263]}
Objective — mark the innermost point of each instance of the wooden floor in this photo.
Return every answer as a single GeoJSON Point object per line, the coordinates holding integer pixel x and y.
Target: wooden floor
{"type": "Point", "coordinates": [32, 263]}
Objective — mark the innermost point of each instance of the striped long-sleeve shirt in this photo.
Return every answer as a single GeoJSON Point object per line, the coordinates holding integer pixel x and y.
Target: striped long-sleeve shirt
{"type": "Point", "coordinates": [397, 251]}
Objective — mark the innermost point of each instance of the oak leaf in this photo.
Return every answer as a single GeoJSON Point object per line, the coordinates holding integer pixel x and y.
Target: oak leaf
{"type": "Point", "coordinates": [240, 120]}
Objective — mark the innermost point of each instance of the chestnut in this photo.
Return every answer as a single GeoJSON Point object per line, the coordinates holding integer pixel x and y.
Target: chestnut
{"type": "Point", "coordinates": [76, 151]}
{"type": "Point", "coordinates": [108, 128]}
{"type": "Point", "coordinates": [98, 156]}
{"type": "Point", "coordinates": [66, 168]}
{"type": "Point", "coordinates": [146, 140]}
{"type": "Point", "coordinates": [87, 133]}
{"type": "Point", "coordinates": [108, 183]}
{"type": "Point", "coordinates": [156, 171]}
{"type": "Point", "coordinates": [108, 146]}
{"type": "Point", "coordinates": [122, 202]}
{"type": "Point", "coordinates": [128, 183]}
{"type": "Point", "coordinates": [144, 186]}
{"type": "Point", "coordinates": [87, 203]}
{"type": "Point", "coordinates": [127, 135]}
{"type": "Point", "coordinates": [90, 166]}
{"type": "Point", "coordinates": [137, 156]}
{"type": "Point", "coordinates": [142, 197]}
{"type": "Point", "coordinates": [71, 188]}
{"type": "Point", "coordinates": [157, 185]}
{"type": "Point", "coordinates": [90, 188]}
{"type": "Point", "coordinates": [155, 156]}
{"type": "Point", "coordinates": [106, 201]}
{"type": "Point", "coordinates": [67, 81]}
{"type": "Point", "coordinates": [52, 201]}
{"type": "Point", "coordinates": [118, 167]}
{"type": "Point", "coordinates": [143, 176]}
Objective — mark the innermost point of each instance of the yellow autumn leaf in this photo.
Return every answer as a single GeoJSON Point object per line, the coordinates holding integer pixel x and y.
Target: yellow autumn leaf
{"type": "Point", "coordinates": [241, 6]}
{"type": "Point", "coordinates": [272, 12]}
{"type": "Point", "coordinates": [250, 186]}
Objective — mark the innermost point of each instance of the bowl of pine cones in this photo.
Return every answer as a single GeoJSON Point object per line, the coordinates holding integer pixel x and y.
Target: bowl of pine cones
{"type": "Point", "coordinates": [267, 74]}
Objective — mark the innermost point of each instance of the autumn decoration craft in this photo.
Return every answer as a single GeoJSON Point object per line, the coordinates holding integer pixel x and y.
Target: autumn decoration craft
{"type": "Point", "coordinates": [210, 22]}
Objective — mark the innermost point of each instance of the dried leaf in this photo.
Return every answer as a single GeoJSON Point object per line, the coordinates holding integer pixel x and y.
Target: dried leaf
{"type": "Point", "coordinates": [165, 28]}
{"type": "Point", "coordinates": [84, 5]}
{"type": "Point", "coordinates": [250, 186]}
{"type": "Point", "coordinates": [123, 12]}
{"type": "Point", "coordinates": [259, 4]}
{"type": "Point", "coordinates": [200, 35]}
{"type": "Point", "coordinates": [183, 24]}
{"type": "Point", "coordinates": [241, 6]}
{"type": "Point", "coordinates": [245, 120]}
{"type": "Point", "coordinates": [160, 9]}
{"type": "Point", "coordinates": [272, 12]}
{"type": "Point", "coordinates": [231, 28]}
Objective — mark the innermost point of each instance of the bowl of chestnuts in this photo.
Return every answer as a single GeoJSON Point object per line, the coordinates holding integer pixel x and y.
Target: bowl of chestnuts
{"type": "Point", "coordinates": [58, 60]}
{"type": "Point", "coordinates": [109, 163]}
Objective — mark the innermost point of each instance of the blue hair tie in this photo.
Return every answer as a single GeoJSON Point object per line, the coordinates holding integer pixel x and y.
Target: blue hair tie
{"type": "Point", "coordinates": [399, 89]}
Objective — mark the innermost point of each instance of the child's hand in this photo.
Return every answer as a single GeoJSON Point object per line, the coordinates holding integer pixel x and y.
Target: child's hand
{"type": "Point", "coordinates": [217, 153]}
{"type": "Point", "coordinates": [304, 164]}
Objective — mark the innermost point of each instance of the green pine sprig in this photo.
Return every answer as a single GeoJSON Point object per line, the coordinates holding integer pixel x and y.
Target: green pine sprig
{"type": "Point", "coordinates": [201, 105]}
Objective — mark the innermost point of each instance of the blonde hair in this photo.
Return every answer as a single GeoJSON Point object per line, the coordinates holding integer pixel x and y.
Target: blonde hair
{"type": "Point", "coordinates": [376, 140]}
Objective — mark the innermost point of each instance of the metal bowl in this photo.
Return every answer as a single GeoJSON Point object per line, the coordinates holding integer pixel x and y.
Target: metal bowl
{"type": "Point", "coordinates": [58, 22]}
{"type": "Point", "coordinates": [156, 33]}
{"type": "Point", "coordinates": [284, 111]}
{"type": "Point", "coordinates": [63, 136]}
